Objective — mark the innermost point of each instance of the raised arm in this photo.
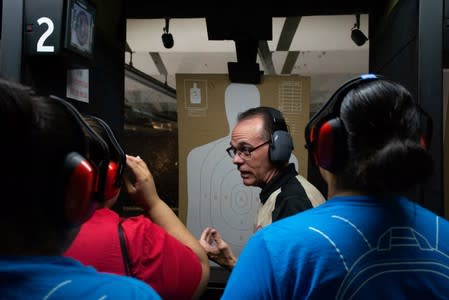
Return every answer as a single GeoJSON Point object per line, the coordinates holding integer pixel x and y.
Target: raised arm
{"type": "Point", "coordinates": [142, 190]}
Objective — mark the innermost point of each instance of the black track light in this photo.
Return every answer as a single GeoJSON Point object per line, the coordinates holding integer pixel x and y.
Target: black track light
{"type": "Point", "coordinates": [357, 35]}
{"type": "Point", "coordinates": [167, 38]}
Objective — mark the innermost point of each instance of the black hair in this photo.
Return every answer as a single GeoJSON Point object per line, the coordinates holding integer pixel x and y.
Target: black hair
{"type": "Point", "coordinates": [96, 153]}
{"type": "Point", "coordinates": [273, 119]}
{"type": "Point", "coordinates": [383, 127]}
{"type": "Point", "coordinates": [37, 135]}
{"type": "Point", "coordinates": [115, 150]}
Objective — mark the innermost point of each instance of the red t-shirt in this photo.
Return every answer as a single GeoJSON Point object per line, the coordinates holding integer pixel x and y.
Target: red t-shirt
{"type": "Point", "coordinates": [156, 257]}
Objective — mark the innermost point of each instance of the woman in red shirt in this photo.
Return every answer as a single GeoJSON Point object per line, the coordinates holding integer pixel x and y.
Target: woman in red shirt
{"type": "Point", "coordinates": [160, 249]}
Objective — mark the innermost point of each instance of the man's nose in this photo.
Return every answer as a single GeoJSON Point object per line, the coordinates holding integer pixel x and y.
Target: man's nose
{"type": "Point", "coordinates": [237, 160]}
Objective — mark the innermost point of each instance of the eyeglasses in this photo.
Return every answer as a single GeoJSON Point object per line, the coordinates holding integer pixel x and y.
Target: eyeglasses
{"type": "Point", "coordinates": [244, 152]}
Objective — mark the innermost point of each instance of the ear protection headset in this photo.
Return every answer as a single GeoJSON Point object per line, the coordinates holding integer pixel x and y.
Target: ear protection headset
{"type": "Point", "coordinates": [281, 145]}
{"type": "Point", "coordinates": [325, 133]}
{"type": "Point", "coordinates": [426, 128]}
{"type": "Point", "coordinates": [84, 180]}
{"type": "Point", "coordinates": [116, 166]}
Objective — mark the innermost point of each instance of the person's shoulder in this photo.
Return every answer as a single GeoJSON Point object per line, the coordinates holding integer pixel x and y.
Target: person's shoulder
{"type": "Point", "coordinates": [140, 224]}
{"type": "Point", "coordinates": [291, 185]}
{"type": "Point", "coordinates": [122, 287]}
{"type": "Point", "coordinates": [76, 281]}
{"type": "Point", "coordinates": [293, 223]}
{"type": "Point", "coordinates": [314, 195]}
{"type": "Point", "coordinates": [140, 231]}
{"type": "Point", "coordinates": [297, 187]}
{"type": "Point", "coordinates": [283, 236]}
{"type": "Point", "coordinates": [300, 222]}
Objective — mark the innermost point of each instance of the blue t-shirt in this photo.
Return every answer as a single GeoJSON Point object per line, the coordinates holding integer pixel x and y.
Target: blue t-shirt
{"type": "Point", "coordinates": [54, 277]}
{"type": "Point", "coordinates": [354, 247]}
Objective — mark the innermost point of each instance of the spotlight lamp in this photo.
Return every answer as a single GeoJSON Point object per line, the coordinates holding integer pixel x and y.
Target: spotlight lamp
{"type": "Point", "coordinates": [358, 37]}
{"type": "Point", "coordinates": [167, 38]}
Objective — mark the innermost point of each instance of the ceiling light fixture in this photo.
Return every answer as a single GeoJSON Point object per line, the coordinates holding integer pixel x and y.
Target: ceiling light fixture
{"type": "Point", "coordinates": [167, 38]}
{"type": "Point", "coordinates": [357, 35]}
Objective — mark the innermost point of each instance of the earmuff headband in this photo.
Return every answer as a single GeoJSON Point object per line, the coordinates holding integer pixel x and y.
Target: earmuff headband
{"type": "Point", "coordinates": [121, 156]}
{"type": "Point", "coordinates": [281, 145]}
{"type": "Point", "coordinates": [103, 165]}
{"type": "Point", "coordinates": [104, 147]}
{"type": "Point", "coordinates": [325, 133]}
{"type": "Point", "coordinates": [332, 107]}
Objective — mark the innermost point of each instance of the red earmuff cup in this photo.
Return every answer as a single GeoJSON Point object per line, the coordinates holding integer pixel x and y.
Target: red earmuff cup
{"type": "Point", "coordinates": [325, 145]}
{"type": "Point", "coordinates": [79, 204]}
{"type": "Point", "coordinates": [423, 142]}
{"type": "Point", "coordinates": [111, 187]}
{"type": "Point", "coordinates": [312, 143]}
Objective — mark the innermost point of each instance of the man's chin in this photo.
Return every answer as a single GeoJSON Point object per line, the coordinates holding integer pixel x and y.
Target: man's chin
{"type": "Point", "coordinates": [248, 182]}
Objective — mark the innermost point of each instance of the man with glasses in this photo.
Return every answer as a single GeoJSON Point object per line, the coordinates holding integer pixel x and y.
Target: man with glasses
{"type": "Point", "coordinates": [261, 147]}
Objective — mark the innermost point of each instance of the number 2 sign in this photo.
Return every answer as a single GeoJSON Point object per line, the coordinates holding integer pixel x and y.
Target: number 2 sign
{"type": "Point", "coordinates": [43, 27]}
{"type": "Point", "coordinates": [40, 47]}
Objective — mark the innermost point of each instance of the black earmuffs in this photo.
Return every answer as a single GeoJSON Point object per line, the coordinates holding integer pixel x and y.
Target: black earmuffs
{"type": "Point", "coordinates": [281, 145]}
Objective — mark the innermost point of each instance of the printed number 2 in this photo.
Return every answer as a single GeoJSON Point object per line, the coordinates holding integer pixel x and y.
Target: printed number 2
{"type": "Point", "coordinates": [47, 33]}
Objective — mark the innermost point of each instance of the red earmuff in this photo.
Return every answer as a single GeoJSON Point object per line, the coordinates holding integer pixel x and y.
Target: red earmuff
{"type": "Point", "coordinates": [81, 182]}
{"type": "Point", "coordinates": [111, 188]}
{"type": "Point", "coordinates": [80, 175]}
{"type": "Point", "coordinates": [112, 177]}
{"type": "Point", "coordinates": [325, 133]}
{"type": "Point", "coordinates": [329, 144]}
{"type": "Point", "coordinates": [426, 128]}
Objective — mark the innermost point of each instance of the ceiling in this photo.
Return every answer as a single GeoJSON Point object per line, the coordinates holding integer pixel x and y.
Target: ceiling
{"type": "Point", "coordinates": [144, 9]}
{"type": "Point", "coordinates": [317, 43]}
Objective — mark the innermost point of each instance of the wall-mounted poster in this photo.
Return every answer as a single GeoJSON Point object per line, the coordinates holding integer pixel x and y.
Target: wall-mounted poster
{"type": "Point", "coordinates": [78, 84]}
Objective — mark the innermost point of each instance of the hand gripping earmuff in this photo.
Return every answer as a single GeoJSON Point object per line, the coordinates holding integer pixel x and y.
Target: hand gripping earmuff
{"type": "Point", "coordinates": [116, 164]}
{"type": "Point", "coordinates": [281, 145]}
{"type": "Point", "coordinates": [325, 133]}
{"type": "Point", "coordinates": [83, 179]}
